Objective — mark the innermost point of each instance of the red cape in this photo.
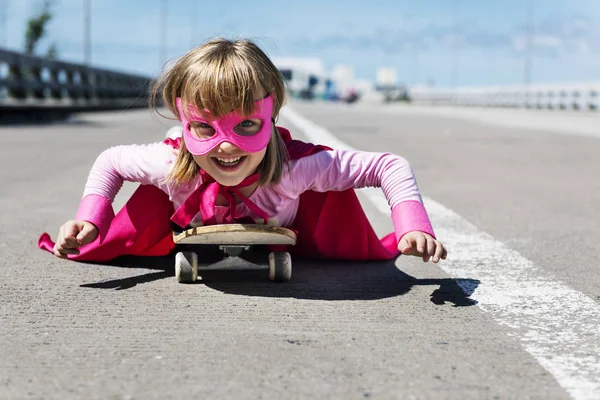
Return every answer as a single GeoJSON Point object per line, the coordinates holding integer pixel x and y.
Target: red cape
{"type": "Point", "coordinates": [330, 225]}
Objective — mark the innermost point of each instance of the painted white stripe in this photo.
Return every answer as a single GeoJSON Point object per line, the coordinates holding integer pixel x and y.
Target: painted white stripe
{"type": "Point", "coordinates": [557, 325]}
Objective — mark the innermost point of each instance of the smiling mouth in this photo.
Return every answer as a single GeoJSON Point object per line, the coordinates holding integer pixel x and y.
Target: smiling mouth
{"type": "Point", "coordinates": [228, 163]}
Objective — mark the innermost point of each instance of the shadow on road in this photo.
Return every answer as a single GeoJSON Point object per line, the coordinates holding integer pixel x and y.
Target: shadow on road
{"type": "Point", "coordinates": [312, 280]}
{"type": "Point", "coordinates": [340, 280]}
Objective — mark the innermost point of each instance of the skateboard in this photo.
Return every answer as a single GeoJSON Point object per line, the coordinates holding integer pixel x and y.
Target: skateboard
{"type": "Point", "coordinates": [234, 240]}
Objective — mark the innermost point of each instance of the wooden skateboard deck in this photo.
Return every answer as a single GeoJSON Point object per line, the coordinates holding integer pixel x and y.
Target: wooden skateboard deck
{"type": "Point", "coordinates": [240, 234]}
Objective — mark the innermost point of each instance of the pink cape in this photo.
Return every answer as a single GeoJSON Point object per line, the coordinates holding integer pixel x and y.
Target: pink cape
{"type": "Point", "coordinates": [330, 225]}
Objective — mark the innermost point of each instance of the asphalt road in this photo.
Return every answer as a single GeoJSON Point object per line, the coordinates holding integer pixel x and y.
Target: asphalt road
{"type": "Point", "coordinates": [515, 205]}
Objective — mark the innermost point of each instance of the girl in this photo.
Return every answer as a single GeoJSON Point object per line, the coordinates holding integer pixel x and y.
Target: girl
{"type": "Point", "coordinates": [232, 164]}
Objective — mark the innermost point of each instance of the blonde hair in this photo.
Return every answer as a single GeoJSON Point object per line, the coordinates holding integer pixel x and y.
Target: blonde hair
{"type": "Point", "coordinates": [223, 75]}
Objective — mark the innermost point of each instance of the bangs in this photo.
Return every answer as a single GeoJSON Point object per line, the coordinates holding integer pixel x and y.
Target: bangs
{"type": "Point", "coordinates": [223, 84]}
{"type": "Point", "coordinates": [220, 76]}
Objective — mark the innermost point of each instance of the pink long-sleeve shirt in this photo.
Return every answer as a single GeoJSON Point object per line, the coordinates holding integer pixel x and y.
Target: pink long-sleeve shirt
{"type": "Point", "coordinates": [323, 171]}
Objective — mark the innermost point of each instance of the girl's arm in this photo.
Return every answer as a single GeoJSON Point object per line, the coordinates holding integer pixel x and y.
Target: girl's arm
{"type": "Point", "coordinates": [340, 170]}
{"type": "Point", "coordinates": [145, 164]}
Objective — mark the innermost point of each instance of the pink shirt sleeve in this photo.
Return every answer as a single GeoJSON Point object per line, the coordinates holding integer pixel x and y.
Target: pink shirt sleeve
{"type": "Point", "coordinates": [340, 170]}
{"type": "Point", "coordinates": [145, 164]}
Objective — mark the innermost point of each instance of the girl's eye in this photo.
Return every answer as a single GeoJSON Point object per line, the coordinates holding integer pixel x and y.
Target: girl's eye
{"type": "Point", "coordinates": [248, 127]}
{"type": "Point", "coordinates": [201, 129]}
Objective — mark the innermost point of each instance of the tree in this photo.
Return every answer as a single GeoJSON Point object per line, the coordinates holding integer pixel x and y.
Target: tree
{"type": "Point", "coordinates": [36, 29]}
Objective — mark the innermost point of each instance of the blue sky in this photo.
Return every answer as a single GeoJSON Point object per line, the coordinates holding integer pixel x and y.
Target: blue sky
{"type": "Point", "coordinates": [470, 42]}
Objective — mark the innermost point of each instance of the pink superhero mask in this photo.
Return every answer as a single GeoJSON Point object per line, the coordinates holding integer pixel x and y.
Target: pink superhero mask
{"type": "Point", "coordinates": [224, 128]}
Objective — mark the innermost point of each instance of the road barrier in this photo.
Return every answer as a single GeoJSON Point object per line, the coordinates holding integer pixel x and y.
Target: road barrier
{"type": "Point", "coordinates": [30, 84]}
{"type": "Point", "coordinates": [582, 97]}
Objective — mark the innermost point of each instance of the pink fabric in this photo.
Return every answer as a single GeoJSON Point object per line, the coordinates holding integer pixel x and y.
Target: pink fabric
{"type": "Point", "coordinates": [340, 170]}
{"type": "Point", "coordinates": [97, 210]}
{"type": "Point", "coordinates": [204, 199]}
{"type": "Point", "coordinates": [141, 227]}
{"type": "Point", "coordinates": [330, 224]}
{"type": "Point", "coordinates": [324, 171]}
{"type": "Point", "coordinates": [333, 225]}
{"type": "Point", "coordinates": [410, 216]}
{"type": "Point", "coordinates": [224, 128]}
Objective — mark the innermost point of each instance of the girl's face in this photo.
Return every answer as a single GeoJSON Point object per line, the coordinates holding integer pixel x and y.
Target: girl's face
{"type": "Point", "coordinates": [228, 164]}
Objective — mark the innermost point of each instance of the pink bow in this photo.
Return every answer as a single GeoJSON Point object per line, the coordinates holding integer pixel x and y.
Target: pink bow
{"type": "Point", "coordinates": [204, 198]}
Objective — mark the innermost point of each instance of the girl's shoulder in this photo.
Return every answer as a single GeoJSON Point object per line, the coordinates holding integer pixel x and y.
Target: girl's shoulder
{"type": "Point", "coordinates": [315, 162]}
{"type": "Point", "coordinates": [151, 160]}
{"type": "Point", "coordinates": [301, 171]}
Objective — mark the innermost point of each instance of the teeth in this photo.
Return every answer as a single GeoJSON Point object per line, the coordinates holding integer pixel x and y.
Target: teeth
{"type": "Point", "coordinates": [229, 160]}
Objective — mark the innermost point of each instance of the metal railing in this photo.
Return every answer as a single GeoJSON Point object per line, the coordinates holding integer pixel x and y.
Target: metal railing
{"type": "Point", "coordinates": [33, 84]}
{"type": "Point", "coordinates": [577, 97]}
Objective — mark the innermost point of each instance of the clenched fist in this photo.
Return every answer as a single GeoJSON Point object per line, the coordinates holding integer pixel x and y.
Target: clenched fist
{"type": "Point", "coordinates": [72, 235]}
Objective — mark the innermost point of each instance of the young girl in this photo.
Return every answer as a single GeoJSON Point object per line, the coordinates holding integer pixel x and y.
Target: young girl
{"type": "Point", "coordinates": [232, 164]}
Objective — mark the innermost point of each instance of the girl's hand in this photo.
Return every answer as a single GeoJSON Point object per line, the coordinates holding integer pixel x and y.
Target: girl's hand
{"type": "Point", "coordinates": [422, 244]}
{"type": "Point", "coordinates": [72, 235]}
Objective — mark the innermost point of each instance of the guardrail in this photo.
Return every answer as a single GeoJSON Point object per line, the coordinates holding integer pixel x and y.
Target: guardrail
{"type": "Point", "coordinates": [581, 97]}
{"type": "Point", "coordinates": [33, 84]}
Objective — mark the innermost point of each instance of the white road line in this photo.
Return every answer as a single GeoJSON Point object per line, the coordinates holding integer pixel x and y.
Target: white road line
{"type": "Point", "coordinates": [557, 325]}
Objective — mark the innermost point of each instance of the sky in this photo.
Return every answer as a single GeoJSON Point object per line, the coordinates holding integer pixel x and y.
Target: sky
{"type": "Point", "coordinates": [445, 43]}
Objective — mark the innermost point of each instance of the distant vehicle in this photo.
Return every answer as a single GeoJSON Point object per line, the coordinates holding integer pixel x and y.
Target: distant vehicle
{"type": "Point", "coordinates": [300, 83]}
{"type": "Point", "coordinates": [306, 94]}
{"type": "Point", "coordinates": [395, 93]}
{"type": "Point", "coordinates": [352, 96]}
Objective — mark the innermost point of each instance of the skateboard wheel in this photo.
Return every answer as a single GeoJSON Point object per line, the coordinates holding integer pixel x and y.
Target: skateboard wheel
{"type": "Point", "coordinates": [186, 267]}
{"type": "Point", "coordinates": [280, 266]}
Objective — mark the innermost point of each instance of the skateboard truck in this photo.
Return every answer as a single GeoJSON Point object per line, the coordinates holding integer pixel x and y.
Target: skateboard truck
{"type": "Point", "coordinates": [233, 251]}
